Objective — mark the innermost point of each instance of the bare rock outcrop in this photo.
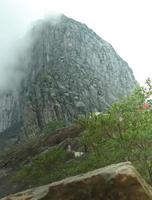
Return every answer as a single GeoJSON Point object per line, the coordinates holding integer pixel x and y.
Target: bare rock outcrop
{"type": "Point", "coordinates": [69, 71]}
{"type": "Point", "coordinates": [115, 182]}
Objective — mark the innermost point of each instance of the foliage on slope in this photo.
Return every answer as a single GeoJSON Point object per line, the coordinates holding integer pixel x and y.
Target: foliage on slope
{"type": "Point", "coordinates": [123, 133]}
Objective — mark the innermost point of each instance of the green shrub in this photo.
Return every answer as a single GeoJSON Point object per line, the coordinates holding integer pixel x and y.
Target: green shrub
{"type": "Point", "coordinates": [41, 165]}
{"type": "Point", "coordinates": [124, 132]}
{"type": "Point", "coordinates": [53, 126]}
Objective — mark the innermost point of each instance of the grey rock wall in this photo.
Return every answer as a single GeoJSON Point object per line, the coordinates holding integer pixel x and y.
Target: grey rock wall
{"type": "Point", "coordinates": [9, 110]}
{"type": "Point", "coordinates": [70, 71]}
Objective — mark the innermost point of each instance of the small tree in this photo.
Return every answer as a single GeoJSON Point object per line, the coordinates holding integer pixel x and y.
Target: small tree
{"type": "Point", "coordinates": [124, 132]}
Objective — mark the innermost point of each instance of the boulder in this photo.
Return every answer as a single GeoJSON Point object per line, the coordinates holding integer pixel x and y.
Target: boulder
{"type": "Point", "coordinates": [115, 182]}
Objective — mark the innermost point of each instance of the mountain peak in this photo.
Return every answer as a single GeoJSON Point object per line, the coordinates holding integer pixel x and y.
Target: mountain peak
{"type": "Point", "coordinates": [71, 72]}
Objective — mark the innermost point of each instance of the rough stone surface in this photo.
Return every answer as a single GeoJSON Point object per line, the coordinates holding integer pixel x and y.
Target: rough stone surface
{"type": "Point", "coordinates": [115, 182]}
{"type": "Point", "coordinates": [69, 71]}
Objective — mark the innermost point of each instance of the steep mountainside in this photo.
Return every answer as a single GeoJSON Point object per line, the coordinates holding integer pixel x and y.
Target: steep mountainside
{"type": "Point", "coordinates": [70, 71]}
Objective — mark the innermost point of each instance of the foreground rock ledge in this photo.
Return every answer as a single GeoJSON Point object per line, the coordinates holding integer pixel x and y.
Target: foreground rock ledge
{"type": "Point", "coordinates": [115, 182]}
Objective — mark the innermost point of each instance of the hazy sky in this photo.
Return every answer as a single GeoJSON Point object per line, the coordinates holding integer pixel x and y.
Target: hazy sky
{"type": "Point", "coordinates": [126, 24]}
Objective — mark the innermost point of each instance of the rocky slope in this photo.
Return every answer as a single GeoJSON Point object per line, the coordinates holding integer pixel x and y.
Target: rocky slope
{"type": "Point", "coordinates": [23, 154]}
{"type": "Point", "coordinates": [115, 182]}
{"type": "Point", "coordinates": [69, 71]}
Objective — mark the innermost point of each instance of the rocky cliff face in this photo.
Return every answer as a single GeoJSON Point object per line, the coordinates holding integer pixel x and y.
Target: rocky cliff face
{"type": "Point", "coordinates": [70, 71]}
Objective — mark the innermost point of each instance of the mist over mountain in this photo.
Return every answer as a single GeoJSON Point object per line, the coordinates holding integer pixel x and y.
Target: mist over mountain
{"type": "Point", "coordinates": [64, 70]}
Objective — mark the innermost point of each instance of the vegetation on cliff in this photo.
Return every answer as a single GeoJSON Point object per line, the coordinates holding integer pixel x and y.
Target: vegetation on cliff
{"type": "Point", "coordinates": [123, 133]}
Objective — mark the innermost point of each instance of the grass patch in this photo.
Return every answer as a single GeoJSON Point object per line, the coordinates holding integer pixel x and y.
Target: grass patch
{"type": "Point", "coordinates": [53, 126]}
